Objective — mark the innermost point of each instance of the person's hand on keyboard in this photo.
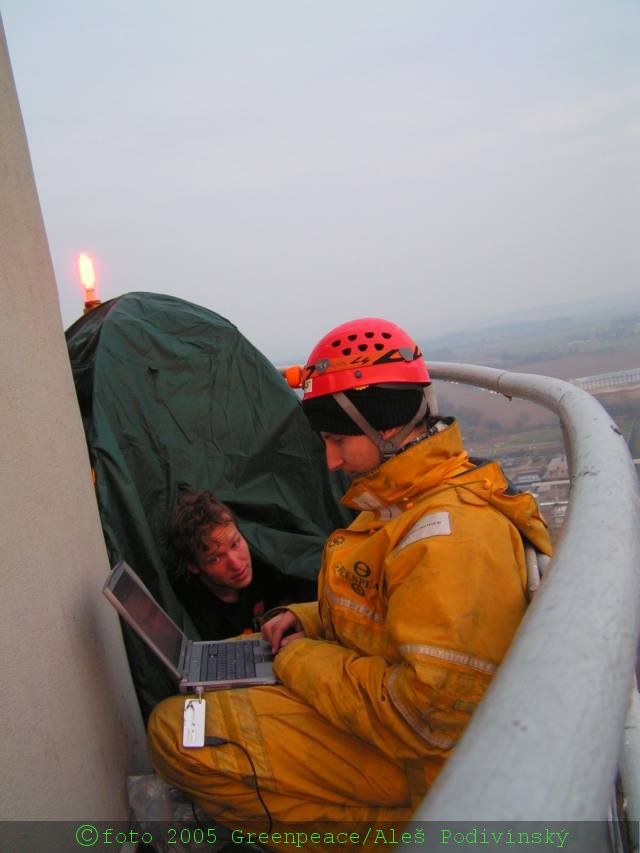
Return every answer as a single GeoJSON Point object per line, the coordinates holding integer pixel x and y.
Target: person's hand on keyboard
{"type": "Point", "coordinates": [282, 630]}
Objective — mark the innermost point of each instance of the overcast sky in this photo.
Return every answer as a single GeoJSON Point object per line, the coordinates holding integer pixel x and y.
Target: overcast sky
{"type": "Point", "coordinates": [292, 164]}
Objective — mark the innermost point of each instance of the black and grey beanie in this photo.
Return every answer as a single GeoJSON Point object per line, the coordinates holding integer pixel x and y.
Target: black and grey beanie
{"type": "Point", "coordinates": [383, 408]}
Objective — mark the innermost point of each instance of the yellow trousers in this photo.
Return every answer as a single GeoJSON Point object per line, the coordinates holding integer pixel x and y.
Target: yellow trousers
{"type": "Point", "coordinates": [307, 771]}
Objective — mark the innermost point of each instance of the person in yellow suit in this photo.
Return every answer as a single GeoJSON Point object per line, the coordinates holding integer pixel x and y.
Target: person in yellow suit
{"type": "Point", "coordinates": [418, 601]}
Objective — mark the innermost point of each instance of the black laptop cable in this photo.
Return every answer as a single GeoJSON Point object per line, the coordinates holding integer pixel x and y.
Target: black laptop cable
{"type": "Point", "coordinates": [220, 741]}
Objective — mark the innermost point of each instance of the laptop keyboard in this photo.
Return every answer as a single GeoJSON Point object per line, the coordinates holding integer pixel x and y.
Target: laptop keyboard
{"type": "Point", "coordinates": [226, 661]}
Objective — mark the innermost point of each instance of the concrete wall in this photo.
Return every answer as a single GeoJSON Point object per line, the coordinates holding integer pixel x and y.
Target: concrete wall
{"type": "Point", "coordinates": [71, 725]}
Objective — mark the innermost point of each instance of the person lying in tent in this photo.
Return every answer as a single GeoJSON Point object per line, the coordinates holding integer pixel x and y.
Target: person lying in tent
{"type": "Point", "coordinates": [418, 601]}
{"type": "Point", "coordinates": [214, 575]}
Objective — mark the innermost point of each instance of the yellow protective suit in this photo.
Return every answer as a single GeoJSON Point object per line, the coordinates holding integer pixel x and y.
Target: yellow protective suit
{"type": "Point", "coordinates": [418, 601]}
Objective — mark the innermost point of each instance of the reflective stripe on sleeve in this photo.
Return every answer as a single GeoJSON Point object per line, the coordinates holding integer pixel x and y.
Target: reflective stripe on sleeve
{"type": "Point", "coordinates": [449, 655]}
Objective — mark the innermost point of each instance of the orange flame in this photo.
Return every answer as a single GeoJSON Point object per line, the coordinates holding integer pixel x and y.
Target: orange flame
{"type": "Point", "coordinates": [86, 271]}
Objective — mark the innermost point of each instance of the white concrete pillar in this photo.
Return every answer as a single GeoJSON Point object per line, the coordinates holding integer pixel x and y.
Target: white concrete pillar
{"type": "Point", "coordinates": [71, 725]}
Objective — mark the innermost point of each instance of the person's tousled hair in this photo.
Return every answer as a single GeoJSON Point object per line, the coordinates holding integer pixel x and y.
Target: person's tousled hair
{"type": "Point", "coordinates": [195, 513]}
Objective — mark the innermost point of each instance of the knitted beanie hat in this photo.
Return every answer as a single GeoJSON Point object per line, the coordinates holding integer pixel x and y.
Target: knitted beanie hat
{"type": "Point", "coordinates": [383, 408]}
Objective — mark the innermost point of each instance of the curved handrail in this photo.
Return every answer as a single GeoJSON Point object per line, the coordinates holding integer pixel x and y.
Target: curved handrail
{"type": "Point", "coordinates": [545, 741]}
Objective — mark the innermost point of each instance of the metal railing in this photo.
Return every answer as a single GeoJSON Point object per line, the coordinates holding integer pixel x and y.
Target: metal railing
{"type": "Point", "coordinates": [545, 743]}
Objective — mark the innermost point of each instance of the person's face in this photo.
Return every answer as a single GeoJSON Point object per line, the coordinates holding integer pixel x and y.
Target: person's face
{"type": "Point", "coordinates": [225, 563]}
{"type": "Point", "coordinates": [353, 454]}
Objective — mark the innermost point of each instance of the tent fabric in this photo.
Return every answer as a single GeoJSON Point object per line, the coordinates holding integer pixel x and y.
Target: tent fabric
{"type": "Point", "coordinates": [173, 393]}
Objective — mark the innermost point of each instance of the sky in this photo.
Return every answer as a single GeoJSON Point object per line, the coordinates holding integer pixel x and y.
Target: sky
{"type": "Point", "coordinates": [293, 164]}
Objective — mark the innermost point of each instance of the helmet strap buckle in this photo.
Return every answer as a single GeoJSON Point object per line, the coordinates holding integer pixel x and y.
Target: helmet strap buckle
{"type": "Point", "coordinates": [388, 447]}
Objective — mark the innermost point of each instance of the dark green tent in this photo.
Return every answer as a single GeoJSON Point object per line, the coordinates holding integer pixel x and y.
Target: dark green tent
{"type": "Point", "coordinates": [171, 392]}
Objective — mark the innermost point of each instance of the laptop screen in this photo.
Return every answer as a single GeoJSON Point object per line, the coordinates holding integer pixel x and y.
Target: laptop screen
{"type": "Point", "coordinates": [149, 617]}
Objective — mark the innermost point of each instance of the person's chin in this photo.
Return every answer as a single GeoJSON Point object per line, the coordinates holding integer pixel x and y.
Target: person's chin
{"type": "Point", "coordinates": [244, 581]}
{"type": "Point", "coordinates": [353, 475]}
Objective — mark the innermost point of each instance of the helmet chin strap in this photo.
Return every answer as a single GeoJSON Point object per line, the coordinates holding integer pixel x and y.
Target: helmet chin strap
{"type": "Point", "coordinates": [388, 447]}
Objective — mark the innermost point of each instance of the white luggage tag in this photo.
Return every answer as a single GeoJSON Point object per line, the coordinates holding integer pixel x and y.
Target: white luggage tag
{"type": "Point", "coordinates": [193, 730]}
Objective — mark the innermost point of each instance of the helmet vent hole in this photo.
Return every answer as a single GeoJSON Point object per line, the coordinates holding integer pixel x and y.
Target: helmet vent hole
{"type": "Point", "coordinates": [369, 334]}
{"type": "Point", "coordinates": [362, 347]}
{"type": "Point", "coordinates": [379, 346]}
{"type": "Point", "coordinates": [386, 335]}
{"type": "Point", "coordinates": [335, 343]}
{"type": "Point", "coordinates": [346, 351]}
{"type": "Point", "coordinates": [351, 337]}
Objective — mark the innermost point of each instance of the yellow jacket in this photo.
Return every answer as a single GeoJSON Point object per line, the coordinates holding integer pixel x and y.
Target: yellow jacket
{"type": "Point", "coordinates": [418, 601]}
{"type": "Point", "coordinates": [420, 598]}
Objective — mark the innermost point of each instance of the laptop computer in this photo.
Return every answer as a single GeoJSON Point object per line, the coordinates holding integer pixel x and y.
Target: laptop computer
{"type": "Point", "coordinates": [211, 665]}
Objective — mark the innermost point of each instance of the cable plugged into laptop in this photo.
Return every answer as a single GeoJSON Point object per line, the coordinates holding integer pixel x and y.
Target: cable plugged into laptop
{"type": "Point", "coordinates": [194, 736]}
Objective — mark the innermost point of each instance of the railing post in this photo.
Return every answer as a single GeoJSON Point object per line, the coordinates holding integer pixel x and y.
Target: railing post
{"type": "Point", "coordinates": [545, 742]}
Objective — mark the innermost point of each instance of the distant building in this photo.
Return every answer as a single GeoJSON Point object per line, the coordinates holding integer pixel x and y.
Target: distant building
{"type": "Point", "coordinates": [557, 469]}
{"type": "Point", "coordinates": [523, 478]}
{"type": "Point", "coordinates": [623, 383]}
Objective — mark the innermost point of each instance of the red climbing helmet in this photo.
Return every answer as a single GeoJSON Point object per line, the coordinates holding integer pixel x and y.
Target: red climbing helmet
{"type": "Point", "coordinates": [368, 351]}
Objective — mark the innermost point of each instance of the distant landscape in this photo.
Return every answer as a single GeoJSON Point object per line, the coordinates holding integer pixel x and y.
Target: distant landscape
{"type": "Point", "coordinates": [545, 333]}
{"type": "Point", "coordinates": [600, 337]}
{"type": "Point", "coordinates": [582, 340]}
